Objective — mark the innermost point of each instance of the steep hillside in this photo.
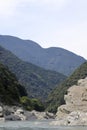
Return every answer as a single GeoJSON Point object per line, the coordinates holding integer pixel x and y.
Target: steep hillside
{"type": "Point", "coordinates": [37, 81]}
{"type": "Point", "coordinates": [53, 58]}
{"type": "Point", "coordinates": [10, 89]}
{"type": "Point", "coordinates": [56, 98]}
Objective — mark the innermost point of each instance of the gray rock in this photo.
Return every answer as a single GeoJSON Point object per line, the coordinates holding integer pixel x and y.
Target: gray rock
{"type": "Point", "coordinates": [74, 112]}
{"type": "Point", "coordinates": [40, 115]}
{"type": "Point", "coordinates": [12, 117]}
{"type": "Point", "coordinates": [1, 114]}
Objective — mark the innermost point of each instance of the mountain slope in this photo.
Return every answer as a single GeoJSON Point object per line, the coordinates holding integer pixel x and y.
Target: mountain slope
{"type": "Point", "coordinates": [37, 81]}
{"type": "Point", "coordinates": [56, 98]}
{"type": "Point", "coordinates": [10, 89]}
{"type": "Point", "coordinates": [53, 58]}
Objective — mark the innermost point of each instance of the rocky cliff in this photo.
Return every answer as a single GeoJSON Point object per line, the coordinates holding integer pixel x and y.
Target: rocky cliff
{"type": "Point", "coordinates": [56, 98]}
{"type": "Point", "coordinates": [74, 112]}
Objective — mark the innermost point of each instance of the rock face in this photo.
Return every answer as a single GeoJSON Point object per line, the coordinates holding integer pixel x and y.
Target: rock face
{"type": "Point", "coordinates": [74, 112]}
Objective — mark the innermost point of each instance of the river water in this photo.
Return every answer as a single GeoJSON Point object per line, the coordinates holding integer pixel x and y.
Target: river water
{"type": "Point", "coordinates": [34, 125]}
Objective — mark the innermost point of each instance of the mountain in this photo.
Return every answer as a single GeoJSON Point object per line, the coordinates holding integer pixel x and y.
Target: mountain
{"type": "Point", "coordinates": [56, 98]}
{"type": "Point", "coordinates": [53, 58]}
{"type": "Point", "coordinates": [37, 81]}
{"type": "Point", "coordinates": [10, 89]}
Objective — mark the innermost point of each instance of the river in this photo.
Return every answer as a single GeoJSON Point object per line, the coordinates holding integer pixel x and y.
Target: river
{"type": "Point", "coordinates": [34, 125]}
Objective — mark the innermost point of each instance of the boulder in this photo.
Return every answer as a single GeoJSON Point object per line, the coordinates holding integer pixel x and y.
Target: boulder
{"type": "Point", "coordinates": [20, 113]}
{"type": "Point", "coordinates": [1, 114]}
{"type": "Point", "coordinates": [74, 112]}
{"type": "Point", "coordinates": [50, 115]}
{"type": "Point", "coordinates": [77, 118]}
{"type": "Point", "coordinates": [12, 117]}
{"type": "Point", "coordinates": [14, 113]}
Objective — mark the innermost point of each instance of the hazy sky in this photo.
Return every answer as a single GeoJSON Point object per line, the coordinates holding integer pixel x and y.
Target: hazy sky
{"type": "Point", "coordinates": [60, 23]}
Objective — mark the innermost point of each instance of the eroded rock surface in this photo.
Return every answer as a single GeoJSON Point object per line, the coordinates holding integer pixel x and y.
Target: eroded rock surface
{"type": "Point", "coordinates": [74, 112]}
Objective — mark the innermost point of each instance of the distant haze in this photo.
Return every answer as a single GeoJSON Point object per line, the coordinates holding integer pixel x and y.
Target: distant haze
{"type": "Point", "coordinates": [53, 58]}
{"type": "Point", "coordinates": [58, 23]}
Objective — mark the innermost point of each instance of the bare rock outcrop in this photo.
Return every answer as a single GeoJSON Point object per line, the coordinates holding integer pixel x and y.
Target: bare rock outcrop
{"type": "Point", "coordinates": [74, 112]}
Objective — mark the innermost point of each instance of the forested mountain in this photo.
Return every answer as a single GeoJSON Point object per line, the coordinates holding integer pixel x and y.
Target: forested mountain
{"type": "Point", "coordinates": [53, 58]}
{"type": "Point", "coordinates": [56, 98]}
{"type": "Point", "coordinates": [10, 89]}
{"type": "Point", "coordinates": [37, 81]}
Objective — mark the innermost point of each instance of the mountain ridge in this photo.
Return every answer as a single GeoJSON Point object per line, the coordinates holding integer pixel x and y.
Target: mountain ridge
{"type": "Point", "coordinates": [53, 58]}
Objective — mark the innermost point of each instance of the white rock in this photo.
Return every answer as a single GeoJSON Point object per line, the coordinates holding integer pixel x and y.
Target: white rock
{"type": "Point", "coordinates": [74, 112]}
{"type": "Point", "coordinates": [1, 114]}
{"type": "Point", "coordinates": [20, 113]}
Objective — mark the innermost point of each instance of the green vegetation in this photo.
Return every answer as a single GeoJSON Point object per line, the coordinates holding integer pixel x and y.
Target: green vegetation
{"type": "Point", "coordinates": [37, 81]}
{"type": "Point", "coordinates": [12, 93]}
{"type": "Point", "coordinates": [56, 98]}
{"type": "Point", "coordinates": [32, 104]}
{"type": "Point", "coordinates": [10, 89]}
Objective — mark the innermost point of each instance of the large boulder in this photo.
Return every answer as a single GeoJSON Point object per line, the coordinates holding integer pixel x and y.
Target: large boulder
{"type": "Point", "coordinates": [74, 112]}
{"type": "Point", "coordinates": [77, 118]}
{"type": "Point", "coordinates": [20, 113]}
{"type": "Point", "coordinates": [1, 114]}
{"type": "Point", "coordinates": [14, 113]}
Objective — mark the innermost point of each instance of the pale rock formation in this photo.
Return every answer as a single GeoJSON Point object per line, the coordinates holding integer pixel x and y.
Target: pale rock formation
{"type": "Point", "coordinates": [1, 114]}
{"type": "Point", "coordinates": [43, 115]}
{"type": "Point", "coordinates": [74, 112]}
{"type": "Point", "coordinates": [20, 113]}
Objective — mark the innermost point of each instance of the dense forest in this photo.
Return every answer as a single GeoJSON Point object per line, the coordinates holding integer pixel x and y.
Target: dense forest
{"type": "Point", "coordinates": [12, 93]}
{"type": "Point", "coordinates": [10, 89]}
{"type": "Point", "coordinates": [37, 81]}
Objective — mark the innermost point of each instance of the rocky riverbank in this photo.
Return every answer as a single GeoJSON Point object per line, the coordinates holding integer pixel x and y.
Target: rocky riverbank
{"type": "Point", "coordinates": [74, 112]}
{"type": "Point", "coordinates": [15, 113]}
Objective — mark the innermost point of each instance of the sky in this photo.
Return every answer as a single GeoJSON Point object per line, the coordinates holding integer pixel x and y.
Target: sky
{"type": "Point", "coordinates": [50, 23]}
